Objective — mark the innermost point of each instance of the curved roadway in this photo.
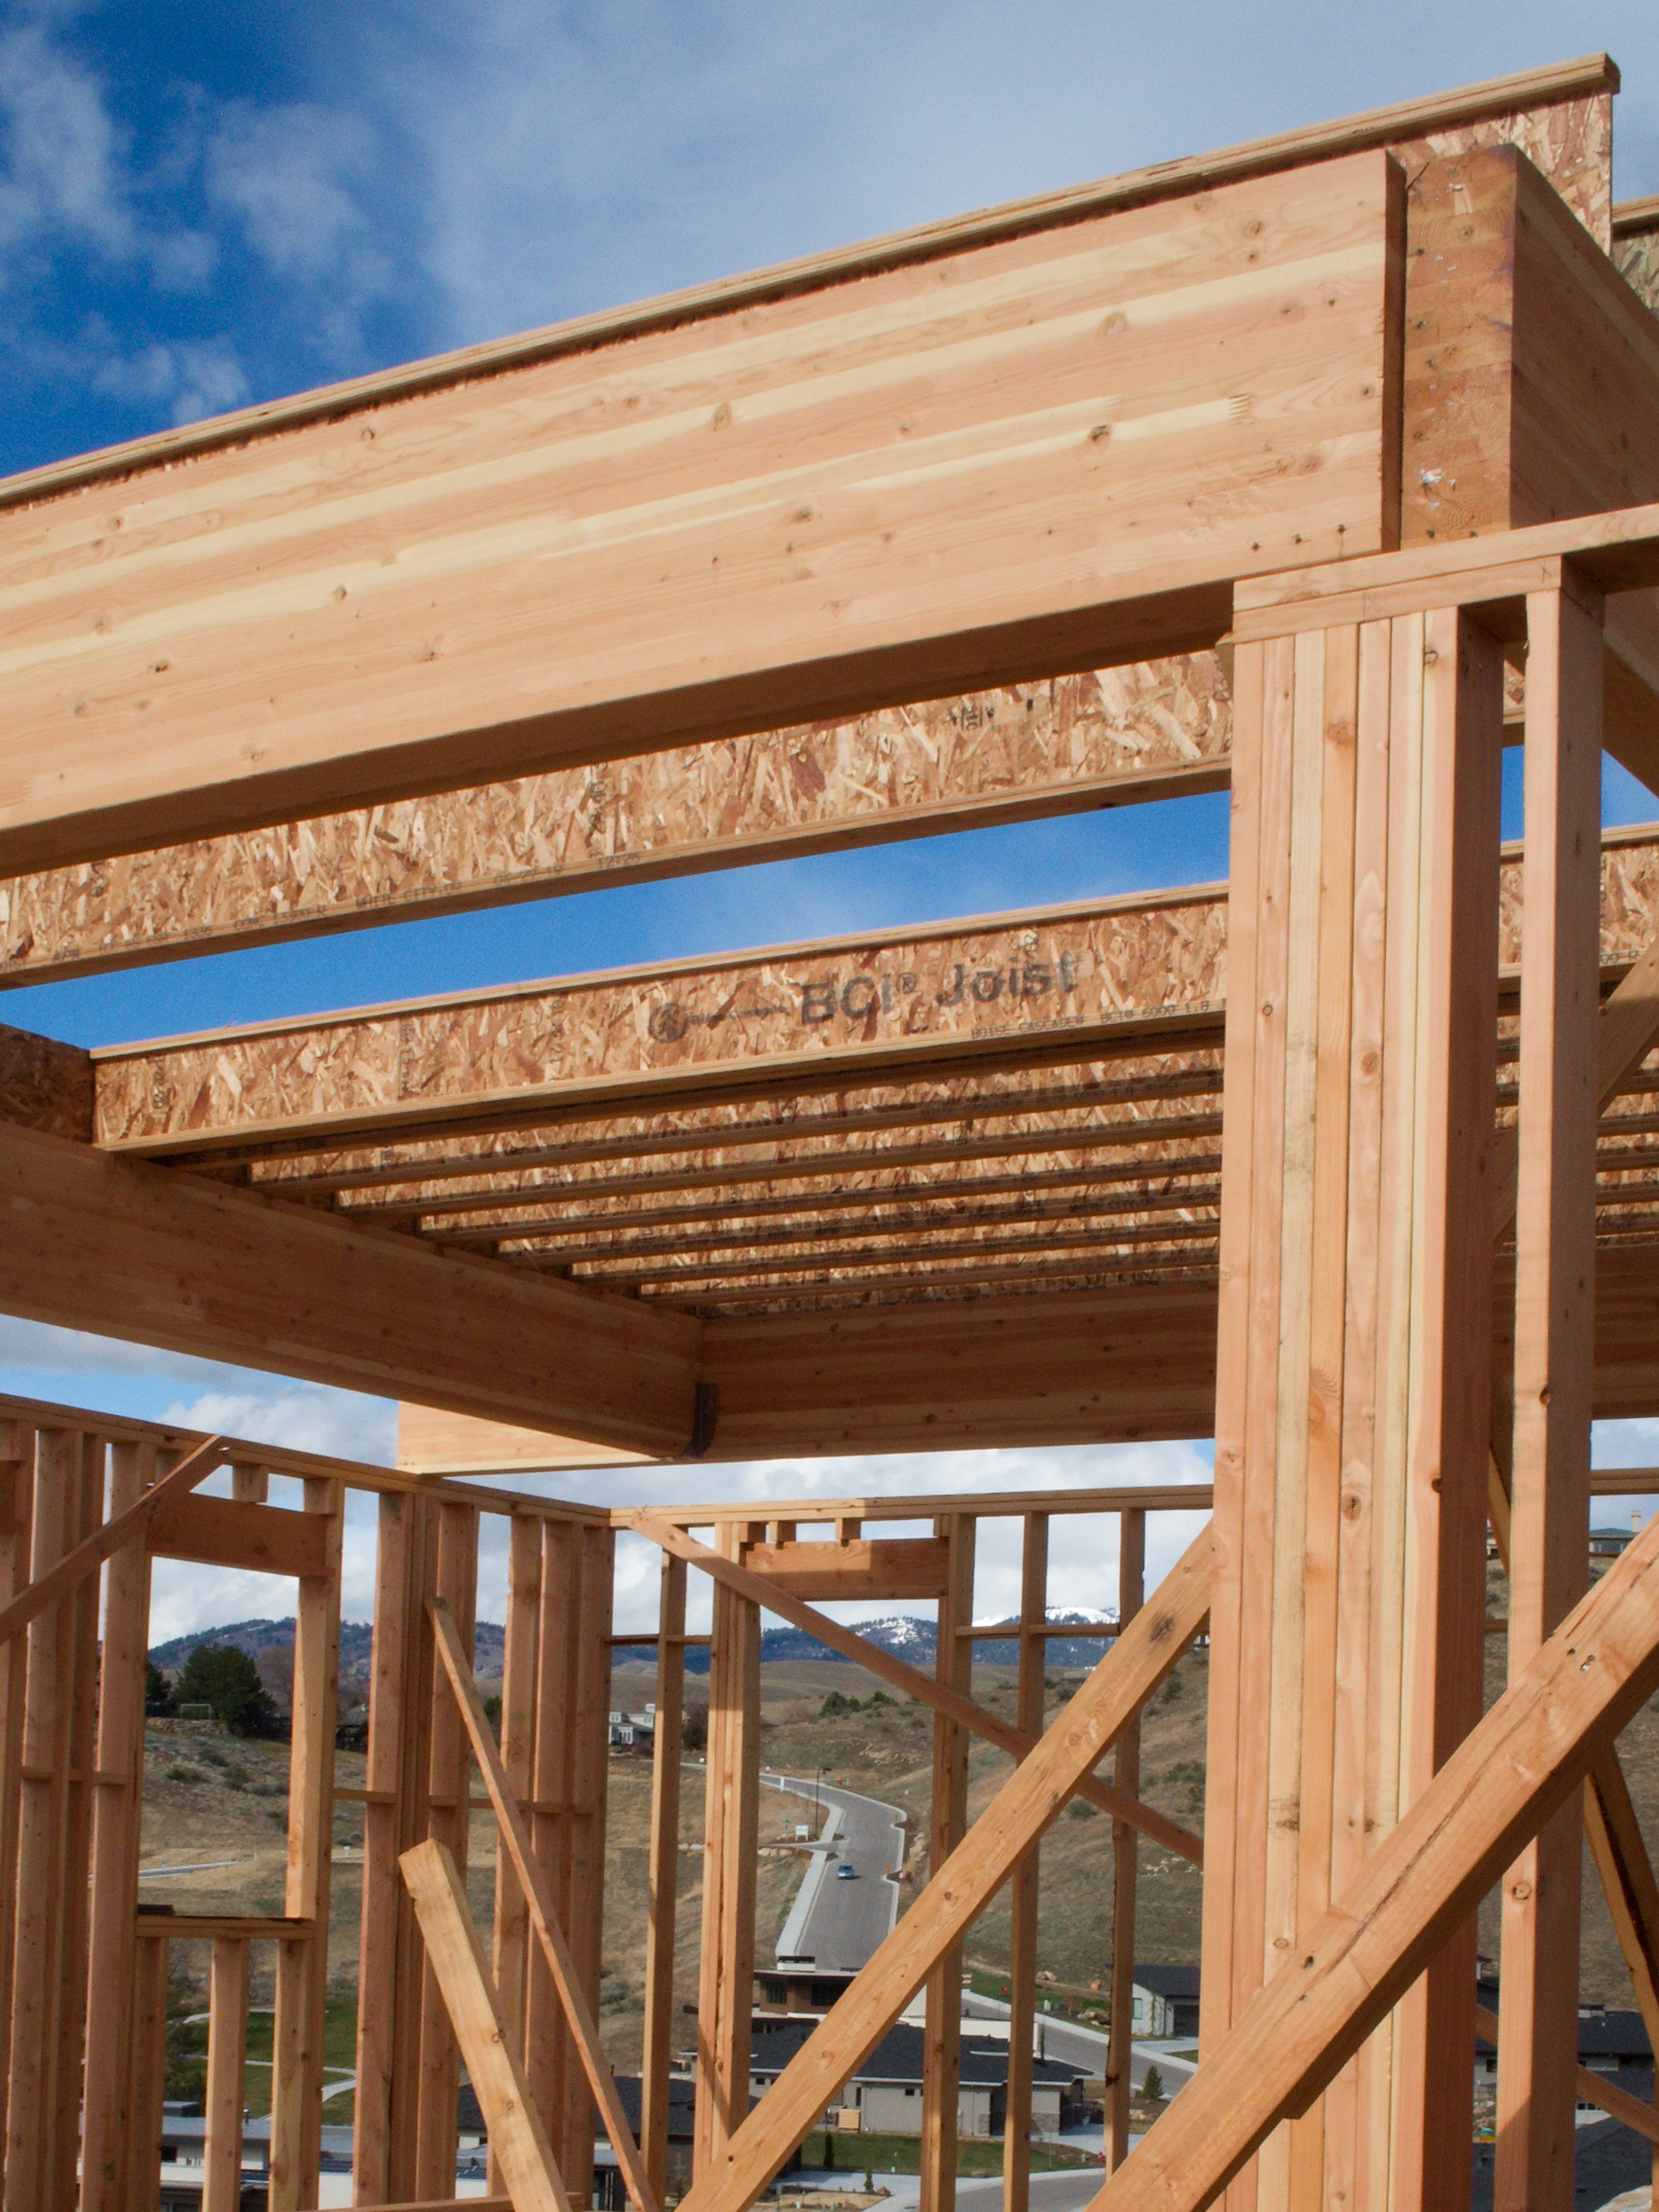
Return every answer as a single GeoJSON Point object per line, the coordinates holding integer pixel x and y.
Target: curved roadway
{"type": "Point", "coordinates": [844, 1921]}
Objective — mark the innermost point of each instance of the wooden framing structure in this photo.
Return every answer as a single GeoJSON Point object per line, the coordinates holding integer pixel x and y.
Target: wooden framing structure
{"type": "Point", "coordinates": [1319, 471]}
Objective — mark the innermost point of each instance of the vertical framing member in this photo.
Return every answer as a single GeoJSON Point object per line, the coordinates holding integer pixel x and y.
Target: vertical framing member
{"type": "Point", "coordinates": [1125, 1773]}
{"type": "Point", "coordinates": [115, 1841]}
{"type": "Point", "coordinates": [662, 1915]}
{"type": "Point", "coordinates": [297, 2111]}
{"type": "Point", "coordinates": [517, 1745]}
{"type": "Point", "coordinates": [17, 1499]}
{"type": "Point", "coordinates": [947, 1826]}
{"type": "Point", "coordinates": [227, 2064]}
{"type": "Point", "coordinates": [81, 1745]}
{"type": "Point", "coordinates": [1554, 1318]}
{"type": "Point", "coordinates": [731, 1831]}
{"type": "Point", "coordinates": [394, 1819]}
{"type": "Point", "coordinates": [448, 1822]}
{"type": "Point", "coordinates": [590, 1772]}
{"type": "Point", "coordinates": [1023, 1887]}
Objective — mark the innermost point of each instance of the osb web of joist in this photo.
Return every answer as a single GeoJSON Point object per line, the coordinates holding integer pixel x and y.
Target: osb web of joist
{"type": "Point", "coordinates": [939, 763]}
{"type": "Point", "coordinates": [1100, 1166]}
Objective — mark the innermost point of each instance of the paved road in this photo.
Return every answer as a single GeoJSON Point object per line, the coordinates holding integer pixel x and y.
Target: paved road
{"type": "Point", "coordinates": [846, 1920]}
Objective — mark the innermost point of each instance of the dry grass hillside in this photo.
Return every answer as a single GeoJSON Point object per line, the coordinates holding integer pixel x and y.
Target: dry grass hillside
{"type": "Point", "coordinates": [215, 1805]}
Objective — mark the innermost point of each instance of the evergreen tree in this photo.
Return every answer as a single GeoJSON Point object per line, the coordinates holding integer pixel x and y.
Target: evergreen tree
{"type": "Point", "coordinates": [158, 1691]}
{"type": "Point", "coordinates": [219, 1676]}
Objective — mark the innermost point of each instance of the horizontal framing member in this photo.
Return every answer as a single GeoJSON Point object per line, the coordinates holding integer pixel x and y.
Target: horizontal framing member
{"type": "Point", "coordinates": [1151, 730]}
{"type": "Point", "coordinates": [1031, 989]}
{"type": "Point", "coordinates": [1043, 987]}
{"type": "Point", "coordinates": [142, 1254]}
{"type": "Point", "coordinates": [262, 643]}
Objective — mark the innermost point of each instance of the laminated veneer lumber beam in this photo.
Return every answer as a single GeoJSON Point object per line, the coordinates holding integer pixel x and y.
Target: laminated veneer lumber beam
{"type": "Point", "coordinates": [147, 1256]}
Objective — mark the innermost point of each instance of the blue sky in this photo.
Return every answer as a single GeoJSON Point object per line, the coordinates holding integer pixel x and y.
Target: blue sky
{"type": "Point", "coordinates": [205, 205]}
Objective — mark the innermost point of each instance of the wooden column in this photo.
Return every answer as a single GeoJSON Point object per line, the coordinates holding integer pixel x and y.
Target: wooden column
{"type": "Point", "coordinates": [1022, 1889]}
{"type": "Point", "coordinates": [296, 2109]}
{"type": "Point", "coordinates": [589, 1788]}
{"type": "Point", "coordinates": [947, 1826]}
{"type": "Point", "coordinates": [227, 2065]}
{"type": "Point", "coordinates": [147, 2080]}
{"type": "Point", "coordinates": [17, 1493]}
{"type": "Point", "coordinates": [448, 1820]}
{"type": "Point", "coordinates": [38, 1986]}
{"type": "Point", "coordinates": [727, 1979]}
{"type": "Point", "coordinates": [518, 1744]}
{"type": "Point", "coordinates": [1353, 1360]}
{"type": "Point", "coordinates": [68, 2060]}
{"type": "Point", "coordinates": [115, 1840]}
{"type": "Point", "coordinates": [1125, 1773]}
{"type": "Point", "coordinates": [1555, 1264]}
{"type": "Point", "coordinates": [662, 1912]}
{"type": "Point", "coordinates": [394, 1819]}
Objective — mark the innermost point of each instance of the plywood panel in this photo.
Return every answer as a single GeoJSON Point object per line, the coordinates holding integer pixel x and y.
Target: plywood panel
{"type": "Point", "coordinates": [1100, 738]}
{"type": "Point", "coordinates": [924, 480]}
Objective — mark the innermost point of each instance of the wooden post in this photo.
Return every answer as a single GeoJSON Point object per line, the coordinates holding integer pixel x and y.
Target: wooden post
{"type": "Point", "coordinates": [227, 2065]}
{"type": "Point", "coordinates": [725, 1988]}
{"type": "Point", "coordinates": [590, 1775]}
{"type": "Point", "coordinates": [14, 1543]}
{"type": "Point", "coordinates": [82, 1612]}
{"type": "Point", "coordinates": [1023, 1890]}
{"type": "Point", "coordinates": [1555, 1269]}
{"type": "Point", "coordinates": [448, 1822]}
{"type": "Point", "coordinates": [518, 1749]}
{"type": "Point", "coordinates": [662, 1913]}
{"type": "Point", "coordinates": [296, 2107]}
{"type": "Point", "coordinates": [1131, 1593]}
{"type": "Point", "coordinates": [394, 1819]}
{"type": "Point", "coordinates": [147, 2078]}
{"type": "Point", "coordinates": [947, 1825]}
{"type": "Point", "coordinates": [119, 1773]}
{"type": "Point", "coordinates": [48, 1715]}
{"type": "Point", "coordinates": [1356, 1273]}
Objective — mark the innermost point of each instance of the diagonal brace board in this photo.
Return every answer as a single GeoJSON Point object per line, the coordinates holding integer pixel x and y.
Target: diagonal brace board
{"type": "Point", "coordinates": [764, 1591]}
{"type": "Point", "coordinates": [87, 1558]}
{"type": "Point", "coordinates": [1523, 1760]}
{"type": "Point", "coordinates": [516, 2133]}
{"type": "Point", "coordinates": [1025, 1807]}
{"type": "Point", "coordinates": [543, 1917]}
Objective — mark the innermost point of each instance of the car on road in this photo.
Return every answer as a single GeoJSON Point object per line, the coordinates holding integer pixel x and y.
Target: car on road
{"type": "Point", "coordinates": [844, 1873]}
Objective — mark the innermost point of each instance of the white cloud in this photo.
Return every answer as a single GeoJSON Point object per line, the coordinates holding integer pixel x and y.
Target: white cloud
{"type": "Point", "coordinates": [294, 178]}
{"type": "Point", "coordinates": [61, 161]}
{"type": "Point", "coordinates": [192, 379]}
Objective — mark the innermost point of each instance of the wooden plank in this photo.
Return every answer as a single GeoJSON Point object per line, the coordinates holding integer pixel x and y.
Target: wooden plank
{"type": "Point", "coordinates": [178, 1262]}
{"type": "Point", "coordinates": [1076, 977]}
{"type": "Point", "coordinates": [17, 1489]}
{"type": "Point", "coordinates": [662, 1894]}
{"type": "Point", "coordinates": [1052, 478]}
{"type": "Point", "coordinates": [730, 1826]}
{"type": "Point", "coordinates": [458, 1960]}
{"type": "Point", "coordinates": [561, 1962]}
{"type": "Point", "coordinates": [264, 1540]}
{"type": "Point", "coordinates": [941, 1695]}
{"type": "Point", "coordinates": [148, 2088]}
{"type": "Point", "coordinates": [1023, 1885]}
{"type": "Point", "coordinates": [382, 2116]}
{"type": "Point", "coordinates": [157, 1923]}
{"type": "Point", "coordinates": [905, 1567]}
{"type": "Point", "coordinates": [1422, 1881]}
{"type": "Point", "coordinates": [1106, 738]}
{"type": "Point", "coordinates": [1555, 1232]}
{"type": "Point", "coordinates": [1027, 1804]}
{"type": "Point", "coordinates": [82, 1608]}
{"type": "Point", "coordinates": [69, 1572]}
{"type": "Point", "coordinates": [36, 1986]}
{"type": "Point", "coordinates": [1125, 1773]}
{"type": "Point", "coordinates": [947, 1824]}
{"type": "Point", "coordinates": [228, 1999]}
{"type": "Point", "coordinates": [105, 2116]}
{"type": "Point", "coordinates": [296, 2114]}
{"type": "Point", "coordinates": [448, 1821]}
{"type": "Point", "coordinates": [590, 1772]}
{"type": "Point", "coordinates": [511, 1934]}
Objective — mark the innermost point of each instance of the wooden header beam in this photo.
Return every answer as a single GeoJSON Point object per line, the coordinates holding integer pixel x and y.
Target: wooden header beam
{"type": "Point", "coordinates": [927, 479]}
